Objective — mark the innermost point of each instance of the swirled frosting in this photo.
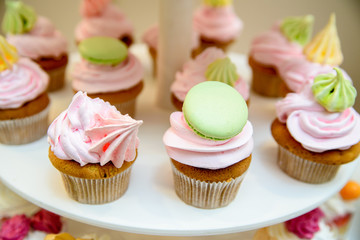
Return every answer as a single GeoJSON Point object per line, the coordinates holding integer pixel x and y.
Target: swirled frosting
{"type": "Point", "coordinates": [21, 84]}
{"type": "Point", "coordinates": [93, 131]}
{"type": "Point", "coordinates": [315, 128]}
{"type": "Point", "coordinates": [89, 8]}
{"type": "Point", "coordinates": [151, 38]}
{"type": "Point", "coordinates": [218, 23]}
{"type": "Point", "coordinates": [111, 23]}
{"type": "Point", "coordinates": [42, 41]}
{"type": "Point", "coordinates": [19, 18]}
{"type": "Point", "coordinates": [185, 146]}
{"type": "Point", "coordinates": [95, 78]}
{"type": "Point", "coordinates": [194, 72]}
{"type": "Point", "coordinates": [272, 48]}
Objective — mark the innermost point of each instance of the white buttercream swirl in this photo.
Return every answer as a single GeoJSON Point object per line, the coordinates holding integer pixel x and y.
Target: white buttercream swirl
{"type": "Point", "coordinates": [96, 78]}
{"type": "Point", "coordinates": [93, 131]}
{"type": "Point", "coordinates": [21, 84]}
{"type": "Point", "coordinates": [42, 41]}
{"type": "Point", "coordinates": [186, 147]}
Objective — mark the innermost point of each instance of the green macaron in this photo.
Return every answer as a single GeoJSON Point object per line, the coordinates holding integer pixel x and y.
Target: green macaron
{"type": "Point", "coordinates": [103, 50]}
{"type": "Point", "coordinates": [215, 110]}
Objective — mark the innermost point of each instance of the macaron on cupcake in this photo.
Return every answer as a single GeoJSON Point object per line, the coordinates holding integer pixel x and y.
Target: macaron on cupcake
{"type": "Point", "coordinates": [103, 18]}
{"type": "Point", "coordinates": [35, 37]}
{"type": "Point", "coordinates": [285, 40]}
{"type": "Point", "coordinates": [210, 145]}
{"type": "Point", "coordinates": [93, 146]}
{"type": "Point", "coordinates": [217, 24]}
{"type": "Point", "coordinates": [24, 103]}
{"type": "Point", "coordinates": [317, 130]}
{"type": "Point", "coordinates": [211, 65]}
{"type": "Point", "coordinates": [107, 70]}
{"type": "Point", "coordinates": [311, 225]}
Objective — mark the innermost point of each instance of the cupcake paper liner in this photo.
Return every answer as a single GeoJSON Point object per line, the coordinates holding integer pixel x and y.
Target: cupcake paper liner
{"type": "Point", "coordinates": [305, 170]}
{"type": "Point", "coordinates": [204, 194]}
{"type": "Point", "coordinates": [57, 78]}
{"type": "Point", "coordinates": [24, 130]}
{"type": "Point", "coordinates": [97, 191]}
{"type": "Point", "coordinates": [127, 107]}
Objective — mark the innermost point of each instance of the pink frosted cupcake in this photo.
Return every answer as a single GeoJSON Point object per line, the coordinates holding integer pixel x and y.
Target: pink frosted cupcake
{"type": "Point", "coordinates": [103, 18]}
{"type": "Point", "coordinates": [211, 65]}
{"type": "Point", "coordinates": [93, 146]}
{"type": "Point", "coordinates": [270, 49]}
{"type": "Point", "coordinates": [35, 37]}
{"type": "Point", "coordinates": [217, 24]}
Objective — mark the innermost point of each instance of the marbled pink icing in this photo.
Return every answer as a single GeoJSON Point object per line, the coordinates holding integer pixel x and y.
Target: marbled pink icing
{"type": "Point", "coordinates": [194, 72]}
{"type": "Point", "coordinates": [151, 37]}
{"type": "Point", "coordinates": [186, 147]}
{"type": "Point", "coordinates": [90, 8]}
{"type": "Point", "coordinates": [21, 84]}
{"type": "Point", "coordinates": [42, 41]}
{"type": "Point", "coordinates": [111, 23]}
{"type": "Point", "coordinates": [95, 78]}
{"type": "Point", "coordinates": [315, 128]}
{"type": "Point", "coordinates": [93, 131]}
{"type": "Point", "coordinates": [218, 23]}
{"type": "Point", "coordinates": [272, 48]}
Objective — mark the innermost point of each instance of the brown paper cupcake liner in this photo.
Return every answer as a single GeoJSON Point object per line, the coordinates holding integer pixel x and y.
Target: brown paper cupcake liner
{"type": "Point", "coordinates": [305, 170]}
{"type": "Point", "coordinates": [24, 130]}
{"type": "Point", "coordinates": [57, 78]}
{"type": "Point", "coordinates": [127, 107]}
{"type": "Point", "coordinates": [204, 194]}
{"type": "Point", "coordinates": [97, 191]}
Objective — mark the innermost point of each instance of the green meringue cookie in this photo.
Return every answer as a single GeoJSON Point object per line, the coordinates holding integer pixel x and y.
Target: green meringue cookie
{"type": "Point", "coordinates": [298, 29]}
{"type": "Point", "coordinates": [103, 50]}
{"type": "Point", "coordinates": [334, 92]}
{"type": "Point", "coordinates": [19, 18]}
{"type": "Point", "coordinates": [215, 111]}
{"type": "Point", "coordinates": [222, 70]}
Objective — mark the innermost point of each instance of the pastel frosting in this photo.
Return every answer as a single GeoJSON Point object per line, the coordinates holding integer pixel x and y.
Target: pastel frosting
{"type": "Point", "coordinates": [298, 29]}
{"type": "Point", "coordinates": [193, 72]}
{"type": "Point", "coordinates": [109, 21]}
{"type": "Point", "coordinates": [19, 18]}
{"type": "Point", "coordinates": [313, 126]}
{"type": "Point", "coordinates": [22, 83]}
{"type": "Point", "coordinates": [218, 23]}
{"type": "Point", "coordinates": [42, 41]}
{"type": "Point", "coordinates": [222, 70]}
{"type": "Point", "coordinates": [93, 131]}
{"type": "Point", "coordinates": [8, 54]}
{"type": "Point", "coordinates": [217, 3]}
{"type": "Point", "coordinates": [90, 8]}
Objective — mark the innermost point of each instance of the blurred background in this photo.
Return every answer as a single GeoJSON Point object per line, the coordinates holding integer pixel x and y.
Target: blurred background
{"type": "Point", "coordinates": [257, 15]}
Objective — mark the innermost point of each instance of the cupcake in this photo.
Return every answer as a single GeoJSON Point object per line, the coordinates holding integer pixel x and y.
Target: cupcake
{"type": "Point", "coordinates": [24, 103]}
{"type": "Point", "coordinates": [317, 130]}
{"type": "Point", "coordinates": [108, 71]}
{"type": "Point", "coordinates": [310, 225]}
{"type": "Point", "coordinates": [93, 146]}
{"type": "Point", "coordinates": [210, 145]}
{"type": "Point", "coordinates": [321, 54]}
{"type": "Point", "coordinates": [217, 24]}
{"type": "Point", "coordinates": [211, 65]}
{"type": "Point", "coordinates": [151, 36]}
{"type": "Point", "coordinates": [35, 37]}
{"type": "Point", "coordinates": [270, 49]}
{"type": "Point", "coordinates": [103, 18]}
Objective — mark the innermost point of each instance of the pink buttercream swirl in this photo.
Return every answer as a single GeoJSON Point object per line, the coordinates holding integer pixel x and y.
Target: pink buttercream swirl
{"type": "Point", "coordinates": [151, 38]}
{"type": "Point", "coordinates": [315, 128]}
{"type": "Point", "coordinates": [183, 145]}
{"type": "Point", "coordinates": [111, 23]}
{"type": "Point", "coordinates": [219, 23]}
{"type": "Point", "coordinates": [272, 48]}
{"type": "Point", "coordinates": [15, 228]}
{"type": "Point", "coordinates": [194, 73]}
{"type": "Point", "coordinates": [42, 41]}
{"type": "Point", "coordinates": [93, 131]}
{"type": "Point", "coordinates": [90, 8]}
{"type": "Point", "coordinates": [96, 78]}
{"type": "Point", "coordinates": [305, 226]}
{"type": "Point", "coordinates": [21, 84]}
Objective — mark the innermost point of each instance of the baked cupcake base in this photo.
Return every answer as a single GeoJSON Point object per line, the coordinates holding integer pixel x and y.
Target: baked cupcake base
{"type": "Point", "coordinates": [206, 43]}
{"type": "Point", "coordinates": [208, 189]}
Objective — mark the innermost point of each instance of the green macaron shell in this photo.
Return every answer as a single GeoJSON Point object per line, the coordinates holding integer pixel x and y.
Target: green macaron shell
{"type": "Point", "coordinates": [215, 110]}
{"type": "Point", "coordinates": [103, 50]}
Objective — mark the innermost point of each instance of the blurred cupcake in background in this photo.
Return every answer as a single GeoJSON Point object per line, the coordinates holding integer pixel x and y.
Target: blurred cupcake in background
{"type": "Point", "coordinates": [35, 37]}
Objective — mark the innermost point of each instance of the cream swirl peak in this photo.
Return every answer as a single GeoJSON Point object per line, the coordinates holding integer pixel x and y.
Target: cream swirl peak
{"type": "Point", "coordinates": [93, 131]}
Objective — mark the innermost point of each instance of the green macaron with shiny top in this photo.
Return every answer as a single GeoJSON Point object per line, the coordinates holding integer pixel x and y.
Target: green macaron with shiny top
{"type": "Point", "coordinates": [103, 50]}
{"type": "Point", "coordinates": [215, 110]}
